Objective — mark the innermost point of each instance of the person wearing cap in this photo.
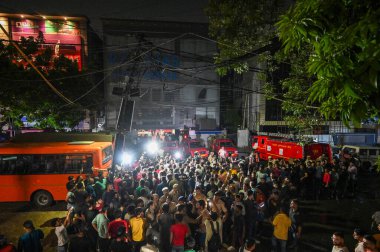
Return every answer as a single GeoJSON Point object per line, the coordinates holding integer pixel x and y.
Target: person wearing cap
{"type": "Point", "coordinates": [30, 241]}
{"type": "Point", "coordinates": [165, 195]}
{"type": "Point", "coordinates": [359, 236]}
{"type": "Point", "coordinates": [174, 193]}
{"type": "Point", "coordinates": [181, 200]}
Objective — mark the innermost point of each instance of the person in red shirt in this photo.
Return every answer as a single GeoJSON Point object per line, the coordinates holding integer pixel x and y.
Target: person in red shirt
{"type": "Point", "coordinates": [5, 246]}
{"type": "Point", "coordinates": [178, 232]}
{"type": "Point", "coordinates": [114, 225]}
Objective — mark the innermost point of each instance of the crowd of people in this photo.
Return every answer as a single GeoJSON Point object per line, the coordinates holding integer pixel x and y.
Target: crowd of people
{"type": "Point", "coordinates": [198, 204]}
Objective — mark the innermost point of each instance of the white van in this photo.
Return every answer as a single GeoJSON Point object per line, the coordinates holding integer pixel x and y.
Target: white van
{"type": "Point", "coordinates": [367, 154]}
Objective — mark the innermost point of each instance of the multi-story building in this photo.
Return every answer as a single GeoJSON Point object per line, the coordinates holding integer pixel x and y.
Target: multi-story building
{"type": "Point", "coordinates": [172, 66]}
{"type": "Point", "coordinates": [64, 35]}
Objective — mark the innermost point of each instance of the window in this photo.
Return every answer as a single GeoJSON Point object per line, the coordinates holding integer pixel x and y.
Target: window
{"type": "Point", "coordinates": [107, 154]}
{"type": "Point", "coordinates": [373, 152]}
{"type": "Point", "coordinates": [226, 144]}
{"type": "Point", "coordinates": [195, 145]}
{"type": "Point", "coordinates": [45, 164]}
{"type": "Point", "coordinates": [363, 152]}
{"type": "Point", "coordinates": [156, 94]}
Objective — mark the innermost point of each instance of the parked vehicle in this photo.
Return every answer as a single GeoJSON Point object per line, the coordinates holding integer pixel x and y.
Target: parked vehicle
{"type": "Point", "coordinates": [276, 148]}
{"type": "Point", "coordinates": [170, 147]}
{"type": "Point", "coordinates": [216, 144]}
{"type": "Point", "coordinates": [191, 146]}
{"type": "Point", "coordinates": [367, 155]}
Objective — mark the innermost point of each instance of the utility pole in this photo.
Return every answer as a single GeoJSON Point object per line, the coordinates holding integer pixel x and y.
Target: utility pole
{"type": "Point", "coordinates": [126, 109]}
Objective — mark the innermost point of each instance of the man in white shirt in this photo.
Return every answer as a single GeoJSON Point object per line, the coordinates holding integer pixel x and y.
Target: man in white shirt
{"type": "Point", "coordinates": [61, 233]}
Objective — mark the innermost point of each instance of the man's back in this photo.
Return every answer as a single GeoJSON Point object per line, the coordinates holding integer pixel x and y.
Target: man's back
{"type": "Point", "coordinates": [31, 241]}
{"type": "Point", "coordinates": [79, 244]}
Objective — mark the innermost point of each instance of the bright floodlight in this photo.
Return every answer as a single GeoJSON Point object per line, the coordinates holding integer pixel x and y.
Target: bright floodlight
{"type": "Point", "coordinates": [178, 155]}
{"type": "Point", "coordinates": [127, 158]}
{"type": "Point", "coordinates": [152, 147]}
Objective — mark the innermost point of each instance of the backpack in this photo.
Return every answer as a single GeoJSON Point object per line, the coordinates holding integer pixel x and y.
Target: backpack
{"type": "Point", "coordinates": [214, 243]}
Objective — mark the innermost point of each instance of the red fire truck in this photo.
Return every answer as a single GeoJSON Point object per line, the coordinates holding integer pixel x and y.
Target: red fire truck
{"type": "Point", "coordinates": [267, 146]}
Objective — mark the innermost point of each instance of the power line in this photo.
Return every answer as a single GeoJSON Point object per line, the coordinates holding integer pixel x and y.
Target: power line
{"type": "Point", "coordinates": [55, 90]}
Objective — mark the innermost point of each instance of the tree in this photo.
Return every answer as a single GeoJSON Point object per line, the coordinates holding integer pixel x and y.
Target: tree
{"type": "Point", "coordinates": [332, 48]}
{"type": "Point", "coordinates": [343, 60]}
{"type": "Point", "coordinates": [240, 27]}
{"type": "Point", "coordinates": [24, 93]}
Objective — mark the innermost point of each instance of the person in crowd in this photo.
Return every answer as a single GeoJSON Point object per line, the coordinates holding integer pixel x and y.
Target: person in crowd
{"type": "Point", "coordinates": [61, 233]}
{"type": "Point", "coordinates": [358, 235]}
{"type": "Point", "coordinates": [178, 232]}
{"type": "Point", "coordinates": [296, 224]}
{"type": "Point", "coordinates": [100, 224]}
{"type": "Point", "coordinates": [223, 203]}
{"type": "Point", "coordinates": [30, 241]}
{"type": "Point", "coordinates": [165, 220]}
{"type": "Point", "coordinates": [79, 243]}
{"type": "Point", "coordinates": [281, 224]}
{"type": "Point", "coordinates": [249, 246]}
{"type": "Point", "coordinates": [338, 243]}
{"type": "Point", "coordinates": [120, 242]}
{"type": "Point", "coordinates": [369, 243]}
{"type": "Point", "coordinates": [5, 246]}
{"type": "Point", "coordinates": [214, 237]}
{"type": "Point", "coordinates": [138, 228]}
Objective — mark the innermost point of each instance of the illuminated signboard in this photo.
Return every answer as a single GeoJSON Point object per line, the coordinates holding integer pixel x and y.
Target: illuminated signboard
{"type": "Point", "coordinates": [62, 36]}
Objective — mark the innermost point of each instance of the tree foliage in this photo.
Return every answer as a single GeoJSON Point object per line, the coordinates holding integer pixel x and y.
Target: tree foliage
{"type": "Point", "coordinates": [332, 48]}
{"type": "Point", "coordinates": [342, 42]}
{"type": "Point", "coordinates": [24, 93]}
{"type": "Point", "coordinates": [240, 26]}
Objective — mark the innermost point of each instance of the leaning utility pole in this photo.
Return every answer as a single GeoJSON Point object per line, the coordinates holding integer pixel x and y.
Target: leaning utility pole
{"type": "Point", "coordinates": [126, 109]}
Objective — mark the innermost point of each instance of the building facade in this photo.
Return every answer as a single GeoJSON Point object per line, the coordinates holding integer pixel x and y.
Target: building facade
{"type": "Point", "coordinates": [171, 66]}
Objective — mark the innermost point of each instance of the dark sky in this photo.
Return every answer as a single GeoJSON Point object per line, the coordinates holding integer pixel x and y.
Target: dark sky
{"type": "Point", "coordinates": [164, 10]}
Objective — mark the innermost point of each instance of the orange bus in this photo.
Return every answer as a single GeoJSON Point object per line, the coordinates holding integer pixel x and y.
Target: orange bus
{"type": "Point", "coordinates": [38, 172]}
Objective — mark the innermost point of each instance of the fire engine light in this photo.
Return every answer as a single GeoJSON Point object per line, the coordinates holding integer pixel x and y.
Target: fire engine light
{"type": "Point", "coordinates": [152, 148]}
{"type": "Point", "coordinates": [178, 155]}
{"type": "Point", "coordinates": [127, 158]}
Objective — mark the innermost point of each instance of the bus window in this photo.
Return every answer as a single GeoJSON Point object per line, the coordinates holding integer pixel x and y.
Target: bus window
{"type": "Point", "coordinates": [107, 154]}
{"type": "Point", "coordinates": [8, 164]}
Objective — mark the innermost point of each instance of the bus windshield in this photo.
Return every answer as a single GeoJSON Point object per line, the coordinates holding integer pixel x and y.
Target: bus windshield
{"type": "Point", "coordinates": [226, 144]}
{"type": "Point", "coordinates": [194, 145]}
